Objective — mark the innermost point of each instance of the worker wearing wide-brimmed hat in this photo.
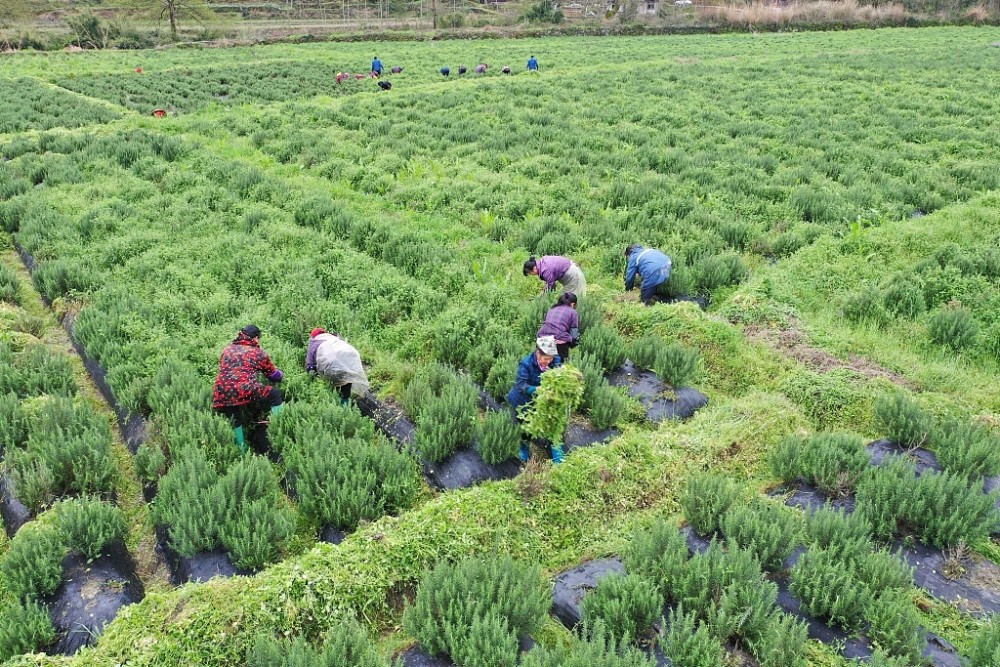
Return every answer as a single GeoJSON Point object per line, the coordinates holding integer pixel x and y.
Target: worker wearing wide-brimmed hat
{"type": "Point", "coordinates": [334, 359]}
{"type": "Point", "coordinates": [529, 378]}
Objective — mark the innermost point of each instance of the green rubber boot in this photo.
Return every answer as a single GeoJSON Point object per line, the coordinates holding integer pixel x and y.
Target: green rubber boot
{"type": "Point", "coordinates": [241, 440]}
{"type": "Point", "coordinates": [276, 410]}
{"type": "Point", "coordinates": [557, 453]}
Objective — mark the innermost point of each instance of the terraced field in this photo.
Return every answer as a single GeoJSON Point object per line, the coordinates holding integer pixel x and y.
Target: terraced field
{"type": "Point", "coordinates": [830, 198]}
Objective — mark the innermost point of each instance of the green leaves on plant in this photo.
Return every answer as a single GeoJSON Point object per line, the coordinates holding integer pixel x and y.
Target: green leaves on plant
{"type": "Point", "coordinates": [547, 416]}
{"type": "Point", "coordinates": [628, 605]}
{"type": "Point", "coordinates": [705, 498]}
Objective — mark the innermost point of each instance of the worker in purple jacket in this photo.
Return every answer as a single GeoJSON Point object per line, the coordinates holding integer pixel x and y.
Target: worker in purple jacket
{"type": "Point", "coordinates": [562, 322]}
{"type": "Point", "coordinates": [554, 269]}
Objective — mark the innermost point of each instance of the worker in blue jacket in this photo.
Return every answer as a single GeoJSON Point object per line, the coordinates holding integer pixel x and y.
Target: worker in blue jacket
{"type": "Point", "coordinates": [529, 378]}
{"type": "Point", "coordinates": [376, 66]}
{"type": "Point", "coordinates": [649, 264]}
{"type": "Point", "coordinates": [532, 64]}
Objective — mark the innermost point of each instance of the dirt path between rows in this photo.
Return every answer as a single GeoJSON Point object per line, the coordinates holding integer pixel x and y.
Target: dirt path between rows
{"type": "Point", "coordinates": [792, 342]}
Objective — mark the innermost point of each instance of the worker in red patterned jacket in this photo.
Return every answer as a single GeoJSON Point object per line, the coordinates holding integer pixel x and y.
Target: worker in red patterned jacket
{"type": "Point", "coordinates": [238, 385]}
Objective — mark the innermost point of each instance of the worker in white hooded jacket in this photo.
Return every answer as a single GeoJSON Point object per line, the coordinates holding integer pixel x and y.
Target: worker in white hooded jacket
{"type": "Point", "coordinates": [333, 358]}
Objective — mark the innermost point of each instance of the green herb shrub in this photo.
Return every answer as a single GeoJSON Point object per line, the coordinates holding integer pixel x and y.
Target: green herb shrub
{"type": "Point", "coordinates": [882, 659]}
{"type": "Point", "coordinates": [25, 627]}
{"type": "Point", "coordinates": [682, 282]}
{"type": "Point", "coordinates": [884, 496]}
{"type": "Point", "coordinates": [9, 285]}
{"type": "Point", "coordinates": [782, 641]}
{"type": "Point", "coordinates": [828, 590]}
{"type": "Point", "coordinates": [590, 313]}
{"type": "Point", "coordinates": [13, 422]}
{"type": "Point", "coordinates": [866, 307]}
{"type": "Point", "coordinates": [445, 407]}
{"type": "Point", "coordinates": [882, 571]}
{"type": "Point", "coordinates": [533, 314]}
{"type": "Point", "coordinates": [502, 375]}
{"type": "Point", "coordinates": [547, 416]}
{"type": "Point", "coordinates": [340, 482]}
{"type": "Point", "coordinates": [499, 437]}
{"type": "Point", "coordinates": [784, 458]}
{"type": "Point", "coordinates": [838, 532]}
{"type": "Point", "coordinates": [68, 452]}
{"type": "Point", "coordinates": [895, 627]}
{"type": "Point", "coordinates": [606, 344]}
{"type": "Point", "coordinates": [256, 525]}
{"type": "Point", "coordinates": [903, 297]}
{"type": "Point", "coordinates": [90, 525]}
{"type": "Point", "coordinates": [832, 462]}
{"type": "Point", "coordinates": [953, 326]}
{"type": "Point", "coordinates": [628, 605]}
{"type": "Point", "coordinates": [688, 643]}
{"type": "Point", "coordinates": [303, 421]}
{"type": "Point", "coordinates": [606, 405]}
{"type": "Point", "coordinates": [644, 350]}
{"type": "Point", "coordinates": [346, 645]}
{"type": "Point", "coordinates": [727, 590]}
{"type": "Point", "coordinates": [37, 371]}
{"type": "Point", "coordinates": [596, 647]}
{"type": "Point", "coordinates": [902, 420]}
{"type": "Point", "coordinates": [658, 553]}
{"type": "Point", "coordinates": [985, 651]}
{"type": "Point", "coordinates": [186, 505]}
{"type": "Point", "coordinates": [706, 497]}
{"type": "Point", "coordinates": [676, 364]}
{"type": "Point", "coordinates": [966, 450]}
{"type": "Point", "coordinates": [767, 529]}
{"type": "Point", "coordinates": [32, 566]}
{"type": "Point", "coordinates": [719, 271]}
{"type": "Point", "coordinates": [492, 593]}
{"type": "Point", "coordinates": [150, 462]}
{"type": "Point", "coordinates": [59, 278]}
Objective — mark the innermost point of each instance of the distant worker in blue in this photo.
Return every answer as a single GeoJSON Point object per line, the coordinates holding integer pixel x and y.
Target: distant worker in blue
{"type": "Point", "coordinates": [445, 71]}
{"type": "Point", "coordinates": [651, 265]}
{"type": "Point", "coordinates": [532, 64]}
{"type": "Point", "coordinates": [529, 379]}
{"type": "Point", "coordinates": [376, 66]}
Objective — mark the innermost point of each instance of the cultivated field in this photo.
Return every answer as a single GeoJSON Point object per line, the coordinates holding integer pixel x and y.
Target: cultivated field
{"type": "Point", "coordinates": [831, 197]}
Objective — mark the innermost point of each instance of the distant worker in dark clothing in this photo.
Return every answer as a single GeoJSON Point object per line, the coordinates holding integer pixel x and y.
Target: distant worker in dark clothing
{"type": "Point", "coordinates": [445, 71]}
{"type": "Point", "coordinates": [376, 66]}
{"type": "Point", "coordinates": [331, 357]}
{"type": "Point", "coordinates": [562, 322]}
{"type": "Point", "coordinates": [529, 379]}
{"type": "Point", "coordinates": [649, 264]}
{"type": "Point", "coordinates": [238, 387]}
{"type": "Point", "coordinates": [385, 85]}
{"type": "Point", "coordinates": [552, 269]}
{"type": "Point", "coordinates": [481, 69]}
{"type": "Point", "coordinates": [505, 69]}
{"type": "Point", "coordinates": [396, 70]}
{"type": "Point", "coordinates": [462, 69]}
{"type": "Point", "coordinates": [532, 64]}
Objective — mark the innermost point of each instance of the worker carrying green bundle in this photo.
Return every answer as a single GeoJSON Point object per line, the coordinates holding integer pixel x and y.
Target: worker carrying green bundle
{"type": "Point", "coordinates": [238, 388]}
{"type": "Point", "coordinates": [552, 269]}
{"type": "Point", "coordinates": [649, 264]}
{"type": "Point", "coordinates": [529, 378]}
{"type": "Point", "coordinates": [333, 358]}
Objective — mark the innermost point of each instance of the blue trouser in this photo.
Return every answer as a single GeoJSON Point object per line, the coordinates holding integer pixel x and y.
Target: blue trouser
{"type": "Point", "coordinates": [651, 283]}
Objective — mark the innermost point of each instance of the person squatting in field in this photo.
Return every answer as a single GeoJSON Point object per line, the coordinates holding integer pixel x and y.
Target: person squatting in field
{"type": "Point", "coordinates": [238, 388]}
{"type": "Point", "coordinates": [649, 264]}
{"type": "Point", "coordinates": [331, 357]}
{"type": "Point", "coordinates": [552, 269]}
{"type": "Point", "coordinates": [529, 378]}
{"type": "Point", "coordinates": [562, 322]}
{"type": "Point", "coordinates": [481, 69]}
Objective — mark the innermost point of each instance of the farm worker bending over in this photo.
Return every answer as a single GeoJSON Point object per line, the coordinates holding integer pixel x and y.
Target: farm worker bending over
{"type": "Point", "coordinates": [529, 378]}
{"type": "Point", "coordinates": [332, 358]}
{"type": "Point", "coordinates": [553, 269]}
{"type": "Point", "coordinates": [376, 66]}
{"type": "Point", "coordinates": [532, 64]}
{"type": "Point", "coordinates": [649, 264]}
{"type": "Point", "coordinates": [238, 387]}
{"type": "Point", "coordinates": [562, 323]}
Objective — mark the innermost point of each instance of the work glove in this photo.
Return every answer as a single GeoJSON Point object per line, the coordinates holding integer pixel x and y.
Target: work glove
{"type": "Point", "coordinates": [531, 390]}
{"type": "Point", "coordinates": [276, 376]}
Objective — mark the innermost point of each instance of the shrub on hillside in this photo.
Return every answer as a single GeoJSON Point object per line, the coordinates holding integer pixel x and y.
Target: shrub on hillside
{"type": "Point", "coordinates": [838, 532]}
{"type": "Point", "coordinates": [25, 627]}
{"type": "Point", "coordinates": [628, 605]}
{"type": "Point", "coordinates": [688, 643]}
{"type": "Point", "coordinates": [676, 364]}
{"type": "Point", "coordinates": [866, 307]}
{"type": "Point", "coordinates": [902, 419]}
{"type": "Point", "coordinates": [89, 525]}
{"type": "Point", "coordinates": [705, 498]}
{"type": "Point", "coordinates": [8, 285]}
{"type": "Point", "coordinates": [499, 437]}
{"type": "Point", "coordinates": [767, 529]}
{"type": "Point", "coordinates": [658, 553]}
{"type": "Point", "coordinates": [504, 599]}
{"type": "Point", "coordinates": [606, 405]}
{"type": "Point", "coordinates": [186, 505]}
{"type": "Point", "coordinates": [832, 462]}
{"type": "Point", "coordinates": [346, 645]}
{"type": "Point", "coordinates": [13, 422]}
{"type": "Point", "coordinates": [895, 627]}
{"type": "Point", "coordinates": [256, 524]}
{"type": "Point", "coordinates": [32, 566]}
{"type": "Point", "coordinates": [150, 462]}
{"type": "Point", "coordinates": [966, 450]}
{"type": "Point", "coordinates": [596, 647]}
{"type": "Point", "coordinates": [605, 344]}
{"type": "Point", "coordinates": [953, 326]}
{"type": "Point", "coordinates": [903, 296]}
{"type": "Point", "coordinates": [985, 650]}
{"type": "Point", "coordinates": [782, 642]}
{"type": "Point", "coordinates": [828, 590]}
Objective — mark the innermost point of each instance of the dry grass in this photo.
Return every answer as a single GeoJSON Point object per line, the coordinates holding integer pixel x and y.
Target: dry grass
{"type": "Point", "coordinates": [819, 11]}
{"type": "Point", "coordinates": [977, 14]}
